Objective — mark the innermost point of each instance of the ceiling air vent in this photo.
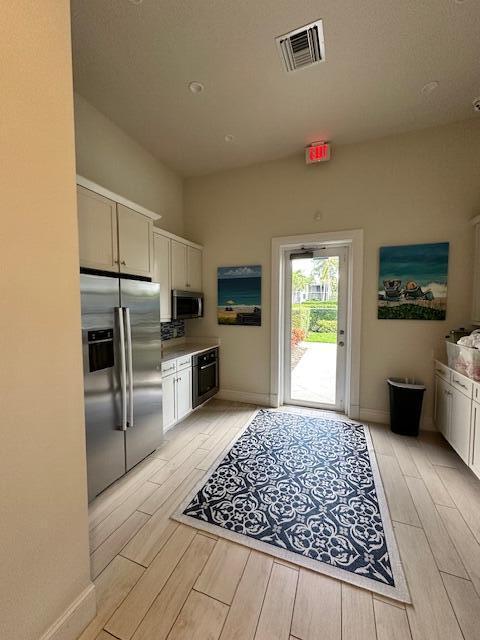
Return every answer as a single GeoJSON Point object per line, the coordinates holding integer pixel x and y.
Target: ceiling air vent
{"type": "Point", "coordinates": [302, 47]}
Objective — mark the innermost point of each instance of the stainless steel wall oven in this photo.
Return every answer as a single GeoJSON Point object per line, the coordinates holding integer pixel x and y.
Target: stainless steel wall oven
{"type": "Point", "coordinates": [205, 376]}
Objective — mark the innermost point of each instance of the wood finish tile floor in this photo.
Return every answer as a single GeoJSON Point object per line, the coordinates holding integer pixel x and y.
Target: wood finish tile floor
{"type": "Point", "coordinates": [160, 580]}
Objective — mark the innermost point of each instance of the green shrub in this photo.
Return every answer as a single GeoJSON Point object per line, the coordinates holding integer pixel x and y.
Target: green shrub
{"type": "Point", "coordinates": [319, 314]}
{"type": "Point", "coordinates": [327, 304]}
{"type": "Point", "coordinates": [300, 317]}
{"type": "Point", "coordinates": [325, 326]}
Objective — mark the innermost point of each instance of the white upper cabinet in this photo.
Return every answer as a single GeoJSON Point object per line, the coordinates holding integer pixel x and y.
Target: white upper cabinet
{"type": "Point", "coordinates": [186, 267]}
{"type": "Point", "coordinates": [134, 242]}
{"type": "Point", "coordinates": [97, 228]}
{"type": "Point", "coordinates": [117, 235]}
{"type": "Point", "coordinates": [162, 274]}
{"type": "Point", "coordinates": [179, 265]}
{"type": "Point", "coordinates": [194, 269]}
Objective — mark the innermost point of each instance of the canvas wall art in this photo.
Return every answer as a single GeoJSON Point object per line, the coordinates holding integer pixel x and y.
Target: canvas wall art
{"type": "Point", "coordinates": [413, 282]}
{"type": "Point", "coordinates": [240, 295]}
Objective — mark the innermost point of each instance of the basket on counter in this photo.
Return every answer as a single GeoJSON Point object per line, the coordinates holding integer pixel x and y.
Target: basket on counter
{"type": "Point", "coordinates": [465, 360]}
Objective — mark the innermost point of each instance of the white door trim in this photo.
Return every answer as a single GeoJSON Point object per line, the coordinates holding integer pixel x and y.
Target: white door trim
{"type": "Point", "coordinates": [354, 240]}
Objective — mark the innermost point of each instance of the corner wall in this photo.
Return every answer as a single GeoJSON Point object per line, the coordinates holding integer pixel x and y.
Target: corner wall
{"type": "Point", "coordinates": [44, 561]}
{"type": "Point", "coordinates": [109, 157]}
{"type": "Point", "coordinates": [412, 188]}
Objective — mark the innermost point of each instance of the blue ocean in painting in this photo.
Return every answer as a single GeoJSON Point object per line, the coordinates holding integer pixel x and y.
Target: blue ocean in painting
{"type": "Point", "coordinates": [239, 286]}
{"type": "Point", "coordinates": [423, 263]}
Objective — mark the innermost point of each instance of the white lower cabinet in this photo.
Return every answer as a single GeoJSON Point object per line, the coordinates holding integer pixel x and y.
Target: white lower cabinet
{"type": "Point", "coordinates": [459, 433]}
{"type": "Point", "coordinates": [177, 391]}
{"type": "Point", "coordinates": [184, 393]}
{"type": "Point", "coordinates": [169, 401]}
{"type": "Point", "coordinates": [442, 406]}
{"type": "Point", "coordinates": [457, 414]}
{"type": "Point", "coordinates": [475, 439]}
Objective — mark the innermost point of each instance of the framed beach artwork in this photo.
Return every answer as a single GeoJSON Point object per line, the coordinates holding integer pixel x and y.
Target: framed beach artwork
{"type": "Point", "coordinates": [239, 299]}
{"type": "Point", "coordinates": [412, 283]}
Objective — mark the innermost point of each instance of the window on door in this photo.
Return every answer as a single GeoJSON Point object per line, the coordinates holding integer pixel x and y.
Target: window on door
{"type": "Point", "coordinates": [315, 324]}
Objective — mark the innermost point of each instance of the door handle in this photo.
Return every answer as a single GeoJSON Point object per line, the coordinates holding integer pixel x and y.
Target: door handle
{"type": "Point", "coordinates": [130, 367]}
{"type": "Point", "coordinates": [205, 366]}
{"type": "Point", "coordinates": [123, 368]}
{"type": "Point", "coordinates": [341, 343]}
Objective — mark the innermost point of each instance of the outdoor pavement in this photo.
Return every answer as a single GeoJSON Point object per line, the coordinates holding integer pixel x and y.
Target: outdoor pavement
{"type": "Point", "coordinates": [313, 378]}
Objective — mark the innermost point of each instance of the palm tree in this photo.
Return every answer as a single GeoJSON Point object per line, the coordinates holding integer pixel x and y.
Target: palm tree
{"type": "Point", "coordinates": [326, 269]}
{"type": "Point", "coordinates": [299, 282]}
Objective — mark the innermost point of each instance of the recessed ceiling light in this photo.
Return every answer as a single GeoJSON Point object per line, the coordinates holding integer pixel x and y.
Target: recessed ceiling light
{"type": "Point", "coordinates": [430, 87]}
{"type": "Point", "coordinates": [229, 137]}
{"type": "Point", "coordinates": [196, 87]}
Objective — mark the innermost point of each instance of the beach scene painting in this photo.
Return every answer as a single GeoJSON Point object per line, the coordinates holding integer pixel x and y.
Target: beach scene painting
{"type": "Point", "coordinates": [240, 295]}
{"type": "Point", "coordinates": [412, 283]}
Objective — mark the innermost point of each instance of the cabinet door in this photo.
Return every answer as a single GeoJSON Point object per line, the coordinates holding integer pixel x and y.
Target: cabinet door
{"type": "Point", "coordinates": [442, 406]}
{"type": "Point", "coordinates": [179, 265]}
{"type": "Point", "coordinates": [475, 439]}
{"type": "Point", "coordinates": [459, 431]}
{"type": "Point", "coordinates": [194, 269]}
{"type": "Point", "coordinates": [134, 242]}
{"type": "Point", "coordinates": [162, 274]}
{"type": "Point", "coordinates": [97, 230]}
{"type": "Point", "coordinates": [169, 385]}
{"type": "Point", "coordinates": [184, 393]}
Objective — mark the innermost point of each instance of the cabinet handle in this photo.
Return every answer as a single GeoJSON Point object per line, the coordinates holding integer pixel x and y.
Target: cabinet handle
{"type": "Point", "coordinates": [124, 263]}
{"type": "Point", "coordinates": [460, 384]}
{"type": "Point", "coordinates": [474, 433]}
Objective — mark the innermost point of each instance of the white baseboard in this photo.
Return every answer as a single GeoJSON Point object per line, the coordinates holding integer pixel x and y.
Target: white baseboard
{"type": "Point", "coordinates": [74, 620]}
{"type": "Point", "coordinates": [383, 417]}
{"type": "Point", "coordinates": [249, 397]}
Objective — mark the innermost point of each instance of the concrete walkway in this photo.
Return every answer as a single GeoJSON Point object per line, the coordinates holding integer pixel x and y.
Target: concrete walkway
{"type": "Point", "coordinates": [313, 378]}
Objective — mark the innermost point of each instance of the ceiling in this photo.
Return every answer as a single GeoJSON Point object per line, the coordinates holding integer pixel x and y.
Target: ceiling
{"type": "Point", "coordinates": [134, 63]}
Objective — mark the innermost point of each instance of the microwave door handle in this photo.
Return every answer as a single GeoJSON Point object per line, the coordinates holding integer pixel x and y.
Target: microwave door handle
{"type": "Point", "coordinates": [200, 307]}
{"type": "Point", "coordinates": [123, 368]}
{"type": "Point", "coordinates": [130, 366]}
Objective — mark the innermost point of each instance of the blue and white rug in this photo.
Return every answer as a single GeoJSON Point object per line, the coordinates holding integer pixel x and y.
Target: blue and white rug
{"type": "Point", "coordinates": [305, 489]}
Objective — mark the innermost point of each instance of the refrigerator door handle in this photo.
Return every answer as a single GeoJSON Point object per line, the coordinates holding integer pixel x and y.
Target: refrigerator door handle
{"type": "Point", "coordinates": [123, 368]}
{"type": "Point", "coordinates": [130, 367]}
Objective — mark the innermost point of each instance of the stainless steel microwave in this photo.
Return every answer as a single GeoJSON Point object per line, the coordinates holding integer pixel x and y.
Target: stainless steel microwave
{"type": "Point", "coordinates": [186, 304]}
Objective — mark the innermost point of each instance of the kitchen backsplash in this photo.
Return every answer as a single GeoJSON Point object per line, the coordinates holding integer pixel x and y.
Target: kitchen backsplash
{"type": "Point", "coordinates": [174, 329]}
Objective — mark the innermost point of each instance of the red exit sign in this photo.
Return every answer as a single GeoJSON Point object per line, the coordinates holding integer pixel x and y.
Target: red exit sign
{"type": "Point", "coordinates": [317, 152]}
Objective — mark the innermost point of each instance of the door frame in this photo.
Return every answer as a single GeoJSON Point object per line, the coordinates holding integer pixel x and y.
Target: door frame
{"type": "Point", "coordinates": [342, 251]}
{"type": "Point", "coordinates": [282, 246]}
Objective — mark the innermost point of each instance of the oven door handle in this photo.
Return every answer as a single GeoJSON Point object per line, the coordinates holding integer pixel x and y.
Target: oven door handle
{"type": "Point", "coordinates": [205, 366]}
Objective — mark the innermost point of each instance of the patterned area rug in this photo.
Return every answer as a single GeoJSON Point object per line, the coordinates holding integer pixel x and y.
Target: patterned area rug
{"type": "Point", "coordinates": [305, 489]}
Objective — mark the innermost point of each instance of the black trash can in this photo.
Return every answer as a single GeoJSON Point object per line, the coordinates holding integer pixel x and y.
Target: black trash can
{"type": "Point", "coordinates": [405, 406]}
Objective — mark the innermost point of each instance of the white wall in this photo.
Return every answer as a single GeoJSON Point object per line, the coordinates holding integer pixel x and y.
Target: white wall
{"type": "Point", "coordinates": [109, 157]}
{"type": "Point", "coordinates": [413, 188]}
{"type": "Point", "coordinates": [44, 562]}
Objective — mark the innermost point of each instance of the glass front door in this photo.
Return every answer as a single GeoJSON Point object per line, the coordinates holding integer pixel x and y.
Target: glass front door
{"type": "Point", "coordinates": [316, 328]}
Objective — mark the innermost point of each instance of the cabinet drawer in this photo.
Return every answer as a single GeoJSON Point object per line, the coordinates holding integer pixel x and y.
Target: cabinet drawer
{"type": "Point", "coordinates": [462, 383]}
{"type": "Point", "coordinates": [169, 367]}
{"type": "Point", "coordinates": [184, 363]}
{"type": "Point", "coordinates": [443, 371]}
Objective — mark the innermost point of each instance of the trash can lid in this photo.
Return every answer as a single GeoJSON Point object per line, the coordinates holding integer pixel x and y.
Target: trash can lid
{"type": "Point", "coordinates": [400, 382]}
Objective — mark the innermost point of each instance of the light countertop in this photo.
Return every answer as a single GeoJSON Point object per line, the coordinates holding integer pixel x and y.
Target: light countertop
{"type": "Point", "coordinates": [187, 348]}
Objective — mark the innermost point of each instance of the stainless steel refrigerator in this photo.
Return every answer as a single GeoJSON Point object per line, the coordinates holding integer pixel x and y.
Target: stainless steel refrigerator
{"type": "Point", "coordinates": [122, 375]}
